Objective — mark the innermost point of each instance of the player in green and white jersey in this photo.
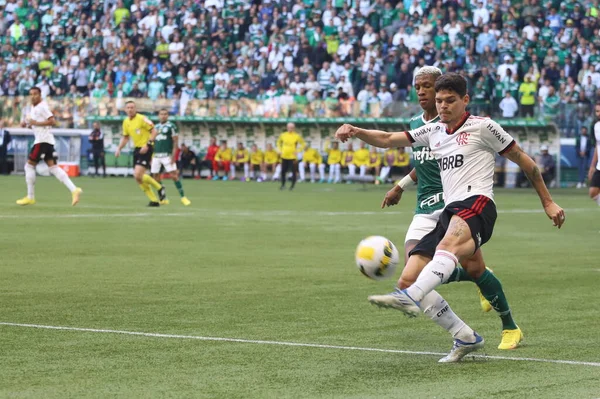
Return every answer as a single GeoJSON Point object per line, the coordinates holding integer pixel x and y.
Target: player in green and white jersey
{"type": "Point", "coordinates": [430, 203]}
{"type": "Point", "coordinates": [165, 145]}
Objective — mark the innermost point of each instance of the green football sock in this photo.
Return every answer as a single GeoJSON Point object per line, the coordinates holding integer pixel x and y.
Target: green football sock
{"type": "Point", "coordinates": [491, 288]}
{"type": "Point", "coordinates": [460, 274]}
{"type": "Point", "coordinates": [179, 188]}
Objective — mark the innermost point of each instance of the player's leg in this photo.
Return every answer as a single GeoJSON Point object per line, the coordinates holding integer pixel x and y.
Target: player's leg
{"type": "Point", "coordinates": [433, 305]}
{"type": "Point", "coordinates": [351, 173]}
{"type": "Point", "coordinates": [172, 169]}
{"type": "Point", "coordinates": [285, 164]}
{"type": "Point", "coordinates": [312, 167]}
{"type": "Point", "coordinates": [103, 162]}
{"type": "Point", "coordinates": [595, 187]}
{"type": "Point", "coordinates": [246, 170]}
{"type": "Point", "coordinates": [294, 167]}
{"type": "Point", "coordinates": [491, 289]}
{"type": "Point", "coordinates": [302, 170]}
{"type": "Point", "coordinates": [96, 161]}
{"type": "Point", "coordinates": [331, 173]}
{"type": "Point", "coordinates": [363, 170]}
{"type": "Point", "coordinates": [61, 175]}
{"type": "Point", "coordinates": [338, 173]}
{"type": "Point", "coordinates": [263, 170]}
{"type": "Point", "coordinates": [155, 166]}
{"type": "Point", "coordinates": [139, 173]}
{"type": "Point", "coordinates": [384, 173]}
{"type": "Point", "coordinates": [277, 172]}
{"type": "Point", "coordinates": [321, 173]}
{"type": "Point", "coordinates": [215, 166]}
{"type": "Point", "coordinates": [30, 177]}
{"type": "Point", "coordinates": [232, 170]}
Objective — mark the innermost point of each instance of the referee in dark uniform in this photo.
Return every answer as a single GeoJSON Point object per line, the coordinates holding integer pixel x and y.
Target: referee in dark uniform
{"type": "Point", "coordinates": [97, 140]}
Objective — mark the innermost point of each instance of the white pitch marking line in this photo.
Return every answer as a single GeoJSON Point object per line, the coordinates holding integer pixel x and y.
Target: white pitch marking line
{"type": "Point", "coordinates": [297, 344]}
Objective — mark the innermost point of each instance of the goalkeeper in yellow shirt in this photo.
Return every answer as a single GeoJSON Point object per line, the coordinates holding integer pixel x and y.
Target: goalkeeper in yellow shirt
{"type": "Point", "coordinates": [361, 159]}
{"type": "Point", "coordinates": [257, 163]}
{"type": "Point", "coordinates": [141, 130]}
{"type": "Point", "coordinates": [314, 160]}
{"type": "Point", "coordinates": [334, 160]}
{"type": "Point", "coordinates": [289, 144]}
{"type": "Point", "coordinates": [241, 159]}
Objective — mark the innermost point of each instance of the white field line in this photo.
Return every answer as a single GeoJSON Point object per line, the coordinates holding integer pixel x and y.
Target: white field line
{"type": "Point", "coordinates": [251, 213]}
{"type": "Point", "coordinates": [294, 344]}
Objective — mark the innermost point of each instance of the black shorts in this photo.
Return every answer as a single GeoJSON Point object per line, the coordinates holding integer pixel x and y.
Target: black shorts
{"type": "Point", "coordinates": [478, 211]}
{"type": "Point", "coordinates": [42, 152]}
{"type": "Point", "coordinates": [255, 168]}
{"type": "Point", "coordinates": [142, 159]}
{"type": "Point", "coordinates": [595, 179]}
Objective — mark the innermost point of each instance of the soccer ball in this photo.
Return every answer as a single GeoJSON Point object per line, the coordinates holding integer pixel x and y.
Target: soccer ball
{"type": "Point", "coordinates": [377, 257]}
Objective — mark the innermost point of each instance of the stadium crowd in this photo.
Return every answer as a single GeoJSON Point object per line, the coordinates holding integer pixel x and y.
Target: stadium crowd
{"type": "Point", "coordinates": [350, 57]}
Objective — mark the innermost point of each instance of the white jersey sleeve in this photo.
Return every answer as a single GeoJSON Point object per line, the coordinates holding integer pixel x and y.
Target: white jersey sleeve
{"type": "Point", "coordinates": [420, 137]}
{"type": "Point", "coordinates": [494, 136]}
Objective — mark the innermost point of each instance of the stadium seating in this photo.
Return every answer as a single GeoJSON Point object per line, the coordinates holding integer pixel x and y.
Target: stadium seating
{"type": "Point", "coordinates": [304, 58]}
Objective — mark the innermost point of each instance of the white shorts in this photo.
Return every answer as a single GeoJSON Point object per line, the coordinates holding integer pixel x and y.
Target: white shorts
{"type": "Point", "coordinates": [421, 225]}
{"type": "Point", "coordinates": [157, 162]}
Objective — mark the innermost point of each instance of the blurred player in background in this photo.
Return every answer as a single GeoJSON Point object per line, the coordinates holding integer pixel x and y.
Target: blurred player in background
{"type": "Point", "coordinates": [334, 160]}
{"type": "Point", "coordinates": [222, 161]}
{"type": "Point", "coordinates": [361, 159]}
{"type": "Point", "coordinates": [313, 159]}
{"type": "Point", "coordinates": [241, 159]}
{"type": "Point", "coordinates": [165, 146]}
{"type": "Point", "coordinates": [289, 144]}
{"type": "Point", "coordinates": [40, 119]}
{"type": "Point", "coordinates": [257, 163]}
{"type": "Point", "coordinates": [96, 138]}
{"type": "Point", "coordinates": [141, 130]}
{"type": "Point", "coordinates": [207, 162]}
{"type": "Point", "coordinates": [374, 163]}
{"type": "Point", "coordinates": [594, 172]}
{"type": "Point", "coordinates": [348, 162]}
{"type": "Point", "coordinates": [389, 158]}
{"type": "Point", "coordinates": [271, 162]}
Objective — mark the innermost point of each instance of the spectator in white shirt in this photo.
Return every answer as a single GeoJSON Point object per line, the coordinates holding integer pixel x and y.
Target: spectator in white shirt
{"type": "Point", "coordinates": [400, 36]}
{"type": "Point", "coordinates": [508, 64]}
{"type": "Point", "coordinates": [415, 7]}
{"type": "Point", "coordinates": [481, 16]}
{"type": "Point", "coordinates": [222, 75]}
{"type": "Point", "coordinates": [176, 51]}
{"type": "Point", "coordinates": [531, 30]}
{"type": "Point", "coordinates": [167, 30]}
{"type": "Point", "coordinates": [509, 106]}
{"type": "Point", "coordinates": [369, 37]}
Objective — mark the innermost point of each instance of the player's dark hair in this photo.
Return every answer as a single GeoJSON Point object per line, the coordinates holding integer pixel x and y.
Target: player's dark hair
{"type": "Point", "coordinates": [452, 82]}
{"type": "Point", "coordinates": [36, 88]}
{"type": "Point", "coordinates": [130, 102]}
{"type": "Point", "coordinates": [163, 109]}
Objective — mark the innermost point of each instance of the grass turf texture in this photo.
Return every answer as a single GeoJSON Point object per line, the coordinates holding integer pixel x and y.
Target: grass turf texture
{"type": "Point", "coordinates": [248, 261]}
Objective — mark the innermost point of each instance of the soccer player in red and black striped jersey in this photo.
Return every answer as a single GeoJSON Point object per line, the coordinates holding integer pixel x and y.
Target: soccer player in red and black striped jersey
{"type": "Point", "coordinates": [464, 147]}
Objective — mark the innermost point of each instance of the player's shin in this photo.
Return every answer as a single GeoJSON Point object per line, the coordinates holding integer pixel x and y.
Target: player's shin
{"type": "Point", "coordinates": [30, 180]}
{"type": "Point", "coordinates": [147, 179]}
{"type": "Point", "coordinates": [246, 170]}
{"type": "Point", "coordinates": [149, 193]}
{"type": "Point", "coordinates": [434, 274]}
{"type": "Point", "coordinates": [62, 176]}
{"type": "Point", "coordinates": [491, 289]}
{"type": "Point", "coordinates": [438, 310]}
{"type": "Point", "coordinates": [179, 187]}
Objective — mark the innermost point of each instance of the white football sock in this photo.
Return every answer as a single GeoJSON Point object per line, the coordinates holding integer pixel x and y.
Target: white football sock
{"type": "Point", "coordinates": [597, 199]}
{"type": "Point", "coordinates": [338, 172]}
{"type": "Point", "coordinates": [264, 175]}
{"type": "Point", "coordinates": [30, 180]}
{"type": "Point", "coordinates": [232, 170]}
{"type": "Point", "coordinates": [277, 172]}
{"type": "Point", "coordinates": [302, 170]}
{"type": "Point", "coordinates": [433, 275]}
{"type": "Point", "coordinates": [312, 168]}
{"type": "Point", "coordinates": [351, 170]}
{"type": "Point", "coordinates": [363, 170]}
{"type": "Point", "coordinates": [384, 172]}
{"type": "Point", "coordinates": [246, 170]}
{"type": "Point", "coordinates": [62, 176]}
{"type": "Point", "coordinates": [322, 171]}
{"type": "Point", "coordinates": [331, 172]}
{"type": "Point", "coordinates": [438, 310]}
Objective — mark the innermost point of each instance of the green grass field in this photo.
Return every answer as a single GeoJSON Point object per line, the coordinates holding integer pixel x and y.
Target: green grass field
{"type": "Point", "coordinates": [249, 262]}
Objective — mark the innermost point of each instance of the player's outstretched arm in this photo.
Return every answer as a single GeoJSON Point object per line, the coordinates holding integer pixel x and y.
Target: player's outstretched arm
{"type": "Point", "coordinates": [531, 170]}
{"type": "Point", "coordinates": [378, 138]}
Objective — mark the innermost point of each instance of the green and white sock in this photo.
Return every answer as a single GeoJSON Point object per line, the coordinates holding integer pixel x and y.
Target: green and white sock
{"type": "Point", "coordinates": [179, 188]}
